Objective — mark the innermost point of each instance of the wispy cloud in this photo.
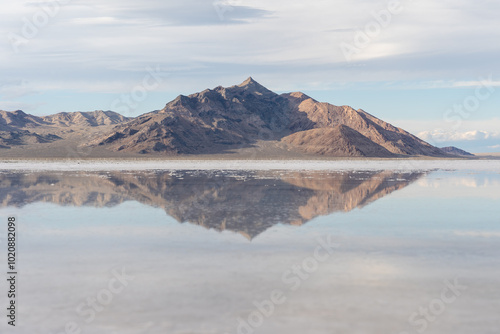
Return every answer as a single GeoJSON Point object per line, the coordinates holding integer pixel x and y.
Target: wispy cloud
{"type": "Point", "coordinates": [481, 234]}
{"type": "Point", "coordinates": [14, 105]}
{"type": "Point", "coordinates": [291, 44]}
{"type": "Point", "coordinates": [448, 136]}
{"type": "Point", "coordinates": [12, 90]}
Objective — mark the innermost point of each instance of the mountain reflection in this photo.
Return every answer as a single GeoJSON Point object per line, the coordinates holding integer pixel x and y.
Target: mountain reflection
{"type": "Point", "coordinates": [243, 202]}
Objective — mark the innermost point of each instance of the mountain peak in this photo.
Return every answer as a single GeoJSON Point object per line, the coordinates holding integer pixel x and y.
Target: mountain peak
{"type": "Point", "coordinates": [15, 112]}
{"type": "Point", "coordinates": [18, 118]}
{"type": "Point", "coordinates": [253, 87]}
{"type": "Point", "coordinates": [249, 82]}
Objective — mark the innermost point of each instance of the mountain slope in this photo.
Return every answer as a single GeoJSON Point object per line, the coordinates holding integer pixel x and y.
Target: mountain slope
{"type": "Point", "coordinates": [13, 129]}
{"type": "Point", "coordinates": [16, 120]}
{"type": "Point", "coordinates": [456, 151]}
{"type": "Point", "coordinates": [207, 122]}
{"type": "Point", "coordinates": [62, 132]}
{"type": "Point", "coordinates": [394, 139]}
{"type": "Point", "coordinates": [23, 137]}
{"type": "Point", "coordinates": [339, 141]}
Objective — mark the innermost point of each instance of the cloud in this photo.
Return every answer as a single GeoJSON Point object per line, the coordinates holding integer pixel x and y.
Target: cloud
{"type": "Point", "coordinates": [484, 81]}
{"type": "Point", "coordinates": [476, 83]}
{"type": "Point", "coordinates": [443, 130]}
{"type": "Point", "coordinates": [444, 135]}
{"type": "Point", "coordinates": [476, 136]}
{"type": "Point", "coordinates": [14, 105]}
{"type": "Point", "coordinates": [475, 141]}
{"type": "Point", "coordinates": [171, 13]}
{"type": "Point", "coordinates": [11, 90]}
{"type": "Point", "coordinates": [290, 44]}
{"type": "Point", "coordinates": [483, 181]}
{"type": "Point", "coordinates": [481, 234]}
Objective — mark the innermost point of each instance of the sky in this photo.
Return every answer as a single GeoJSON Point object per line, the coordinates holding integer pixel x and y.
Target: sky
{"type": "Point", "coordinates": [431, 67]}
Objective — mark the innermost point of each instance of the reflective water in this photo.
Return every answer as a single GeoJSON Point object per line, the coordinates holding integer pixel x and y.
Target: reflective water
{"type": "Point", "coordinates": [255, 252]}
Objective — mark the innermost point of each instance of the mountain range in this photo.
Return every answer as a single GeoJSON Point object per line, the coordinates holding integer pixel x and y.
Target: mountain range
{"type": "Point", "coordinates": [245, 119]}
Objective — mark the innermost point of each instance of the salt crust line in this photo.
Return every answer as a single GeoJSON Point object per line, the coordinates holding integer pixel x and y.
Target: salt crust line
{"type": "Point", "coordinates": [312, 165]}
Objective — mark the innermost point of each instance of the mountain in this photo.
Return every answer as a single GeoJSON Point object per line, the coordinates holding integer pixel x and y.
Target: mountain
{"type": "Point", "coordinates": [13, 129]}
{"type": "Point", "coordinates": [246, 119]}
{"type": "Point", "coordinates": [89, 118]}
{"type": "Point", "coordinates": [211, 121]}
{"type": "Point", "coordinates": [18, 119]}
{"type": "Point", "coordinates": [223, 120]}
{"type": "Point", "coordinates": [65, 130]}
{"type": "Point", "coordinates": [456, 151]}
{"type": "Point", "coordinates": [15, 120]}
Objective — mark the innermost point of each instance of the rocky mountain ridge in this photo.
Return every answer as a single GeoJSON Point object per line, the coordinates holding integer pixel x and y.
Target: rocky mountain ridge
{"type": "Point", "coordinates": [220, 119]}
{"type": "Point", "coordinates": [223, 120]}
{"type": "Point", "coordinates": [18, 128]}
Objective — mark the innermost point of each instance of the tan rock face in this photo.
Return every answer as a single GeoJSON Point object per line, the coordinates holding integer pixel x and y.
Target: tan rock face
{"type": "Point", "coordinates": [226, 120]}
{"type": "Point", "coordinates": [393, 139]}
{"type": "Point", "coordinates": [338, 141]}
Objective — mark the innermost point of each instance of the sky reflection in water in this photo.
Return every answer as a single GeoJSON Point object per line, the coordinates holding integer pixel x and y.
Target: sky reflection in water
{"type": "Point", "coordinates": [204, 246]}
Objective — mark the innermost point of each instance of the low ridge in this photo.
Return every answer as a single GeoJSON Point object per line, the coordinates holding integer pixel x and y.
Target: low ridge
{"type": "Point", "coordinates": [88, 118]}
{"type": "Point", "coordinates": [456, 151]}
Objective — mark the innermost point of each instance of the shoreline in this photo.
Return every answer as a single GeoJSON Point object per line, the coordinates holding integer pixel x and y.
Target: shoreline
{"type": "Point", "coordinates": [362, 164]}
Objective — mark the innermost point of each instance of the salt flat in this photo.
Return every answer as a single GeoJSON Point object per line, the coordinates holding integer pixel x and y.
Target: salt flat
{"type": "Point", "coordinates": [337, 165]}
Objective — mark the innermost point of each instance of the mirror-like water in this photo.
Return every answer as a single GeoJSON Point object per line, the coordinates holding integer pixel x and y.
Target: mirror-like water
{"type": "Point", "coordinates": [255, 252]}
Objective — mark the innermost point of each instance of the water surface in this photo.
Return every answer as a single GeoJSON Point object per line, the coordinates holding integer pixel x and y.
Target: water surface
{"type": "Point", "coordinates": [208, 250]}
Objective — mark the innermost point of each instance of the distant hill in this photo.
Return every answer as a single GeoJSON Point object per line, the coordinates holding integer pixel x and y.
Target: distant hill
{"type": "Point", "coordinates": [89, 118]}
{"type": "Point", "coordinates": [456, 151]}
{"type": "Point", "coordinates": [16, 120]}
{"type": "Point", "coordinates": [18, 128]}
{"type": "Point", "coordinates": [217, 121]}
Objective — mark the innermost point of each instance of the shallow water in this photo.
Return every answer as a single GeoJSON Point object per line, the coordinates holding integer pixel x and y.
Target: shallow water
{"type": "Point", "coordinates": [255, 251]}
